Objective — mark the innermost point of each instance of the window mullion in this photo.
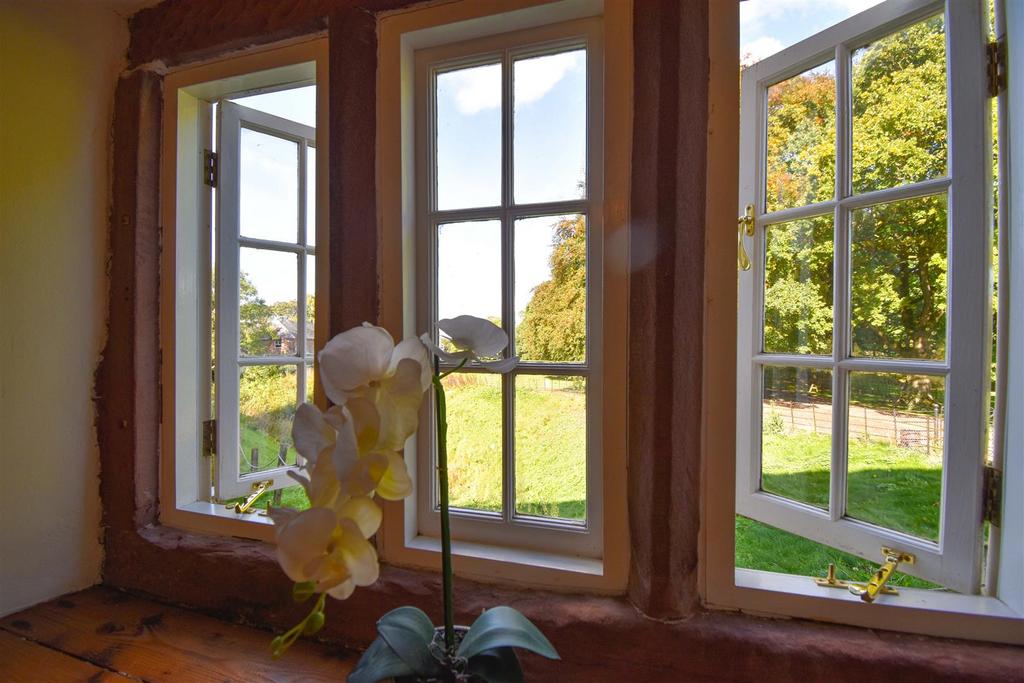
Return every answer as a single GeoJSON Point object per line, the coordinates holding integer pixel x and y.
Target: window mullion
{"type": "Point", "coordinates": [507, 292]}
{"type": "Point", "coordinates": [300, 292]}
{"type": "Point", "coordinates": [840, 289]}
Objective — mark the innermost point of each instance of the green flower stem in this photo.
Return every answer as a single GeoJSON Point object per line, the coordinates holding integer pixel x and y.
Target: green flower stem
{"type": "Point", "coordinates": [281, 643]}
{"type": "Point", "coordinates": [442, 478]}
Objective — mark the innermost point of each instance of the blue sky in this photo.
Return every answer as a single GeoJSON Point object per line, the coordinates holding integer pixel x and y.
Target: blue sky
{"type": "Point", "coordinates": [548, 153]}
{"type": "Point", "coordinates": [768, 26]}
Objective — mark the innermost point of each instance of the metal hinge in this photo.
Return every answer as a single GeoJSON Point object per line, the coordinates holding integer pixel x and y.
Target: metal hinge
{"type": "Point", "coordinates": [210, 168]}
{"type": "Point", "coordinates": [992, 496]}
{"type": "Point", "coordinates": [209, 438]}
{"type": "Point", "coordinates": [995, 58]}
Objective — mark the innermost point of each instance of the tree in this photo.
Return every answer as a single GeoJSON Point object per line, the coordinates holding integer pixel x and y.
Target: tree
{"type": "Point", "coordinates": [554, 326]}
{"type": "Point", "coordinates": [255, 330]}
{"type": "Point", "coordinates": [898, 250]}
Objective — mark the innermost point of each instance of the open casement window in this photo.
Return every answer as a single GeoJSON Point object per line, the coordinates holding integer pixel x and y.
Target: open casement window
{"type": "Point", "coordinates": [509, 227]}
{"type": "Point", "coordinates": [865, 320]}
{"type": "Point", "coordinates": [265, 241]}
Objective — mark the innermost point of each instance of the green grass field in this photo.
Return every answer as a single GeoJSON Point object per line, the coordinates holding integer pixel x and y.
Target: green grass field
{"type": "Point", "coordinates": [550, 422]}
{"type": "Point", "coordinates": [888, 485]}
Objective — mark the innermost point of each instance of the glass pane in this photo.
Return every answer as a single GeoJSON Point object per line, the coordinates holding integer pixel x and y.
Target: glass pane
{"type": "Point", "coordinates": [764, 547]}
{"type": "Point", "coordinates": [310, 305]}
{"type": "Point", "coordinates": [268, 187]}
{"type": "Point", "coordinates": [310, 195]}
{"type": "Point", "coordinates": [800, 155]}
{"type": "Point", "coordinates": [474, 440]}
{"type": "Point", "coordinates": [899, 108]}
{"type": "Point", "coordinates": [551, 288]}
{"type": "Point", "coordinates": [294, 104]}
{"type": "Point", "coordinates": [796, 434]}
{"type": "Point", "coordinates": [266, 406]}
{"type": "Point", "coordinates": [898, 278]}
{"type": "Point", "coordinates": [798, 287]}
{"type": "Point", "coordinates": [268, 284]}
{"type": "Point", "coordinates": [310, 379]}
{"type": "Point", "coordinates": [550, 123]}
{"type": "Point", "coordinates": [469, 270]}
{"type": "Point", "coordinates": [469, 137]}
{"type": "Point", "coordinates": [551, 446]}
{"type": "Point", "coordinates": [896, 428]}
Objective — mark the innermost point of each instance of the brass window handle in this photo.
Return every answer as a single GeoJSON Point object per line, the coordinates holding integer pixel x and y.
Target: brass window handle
{"type": "Point", "coordinates": [745, 224]}
{"type": "Point", "coordinates": [258, 489]}
{"type": "Point", "coordinates": [876, 584]}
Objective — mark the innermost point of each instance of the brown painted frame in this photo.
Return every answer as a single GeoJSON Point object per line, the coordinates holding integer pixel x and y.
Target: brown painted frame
{"type": "Point", "coordinates": [658, 631]}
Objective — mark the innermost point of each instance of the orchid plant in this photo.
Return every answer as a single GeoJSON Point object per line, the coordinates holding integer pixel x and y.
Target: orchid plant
{"type": "Point", "coordinates": [350, 457]}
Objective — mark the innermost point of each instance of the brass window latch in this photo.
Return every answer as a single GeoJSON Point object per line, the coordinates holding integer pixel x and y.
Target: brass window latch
{"type": "Point", "coordinates": [877, 584]}
{"type": "Point", "coordinates": [745, 226]}
{"type": "Point", "coordinates": [258, 489]}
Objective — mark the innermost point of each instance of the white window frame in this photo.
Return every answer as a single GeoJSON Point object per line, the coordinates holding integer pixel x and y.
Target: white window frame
{"type": "Point", "coordinates": [233, 117]}
{"type": "Point", "coordinates": [531, 551]}
{"type": "Point", "coordinates": [507, 527]}
{"type": "Point", "coordinates": [955, 560]}
{"type": "Point", "coordinates": [996, 618]}
{"type": "Point", "coordinates": [187, 477]}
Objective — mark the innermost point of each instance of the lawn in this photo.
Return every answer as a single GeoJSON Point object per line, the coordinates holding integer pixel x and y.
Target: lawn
{"type": "Point", "coordinates": [894, 487]}
{"type": "Point", "coordinates": [888, 485]}
{"type": "Point", "coordinates": [550, 423]}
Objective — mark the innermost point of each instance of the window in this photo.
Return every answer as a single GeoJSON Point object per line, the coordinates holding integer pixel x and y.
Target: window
{"type": "Point", "coordinates": [503, 213]}
{"type": "Point", "coordinates": [864, 329]}
{"type": "Point", "coordinates": [266, 253]}
{"type": "Point", "coordinates": [241, 180]}
{"type": "Point", "coordinates": [510, 226]}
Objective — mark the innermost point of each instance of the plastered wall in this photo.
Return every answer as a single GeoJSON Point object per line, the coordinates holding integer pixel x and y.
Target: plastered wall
{"type": "Point", "coordinates": [58, 64]}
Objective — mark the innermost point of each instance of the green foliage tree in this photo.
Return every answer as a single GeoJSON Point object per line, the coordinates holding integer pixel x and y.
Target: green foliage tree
{"type": "Point", "coordinates": [898, 250]}
{"type": "Point", "coordinates": [554, 326]}
{"type": "Point", "coordinates": [254, 318]}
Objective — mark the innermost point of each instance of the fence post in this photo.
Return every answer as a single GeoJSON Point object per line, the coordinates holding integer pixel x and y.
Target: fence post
{"type": "Point", "coordinates": [866, 434]}
{"type": "Point", "coordinates": [814, 417]}
{"type": "Point", "coordinates": [928, 436]}
{"type": "Point", "coordinates": [254, 460]}
{"type": "Point", "coordinates": [895, 429]}
{"type": "Point", "coordinates": [282, 453]}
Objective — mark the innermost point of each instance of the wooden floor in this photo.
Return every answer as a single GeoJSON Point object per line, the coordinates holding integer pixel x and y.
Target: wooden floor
{"type": "Point", "coordinates": [103, 635]}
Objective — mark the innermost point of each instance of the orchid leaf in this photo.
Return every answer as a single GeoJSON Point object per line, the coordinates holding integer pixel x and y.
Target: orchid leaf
{"type": "Point", "coordinates": [408, 632]}
{"type": "Point", "coordinates": [504, 627]}
{"type": "Point", "coordinates": [499, 665]}
{"type": "Point", "coordinates": [379, 663]}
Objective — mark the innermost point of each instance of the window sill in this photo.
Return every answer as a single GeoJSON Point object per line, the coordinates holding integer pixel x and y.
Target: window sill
{"type": "Point", "coordinates": [918, 611]}
{"type": "Point", "coordinates": [600, 638]}
{"type": "Point", "coordinates": [512, 556]}
{"type": "Point", "coordinates": [910, 598]}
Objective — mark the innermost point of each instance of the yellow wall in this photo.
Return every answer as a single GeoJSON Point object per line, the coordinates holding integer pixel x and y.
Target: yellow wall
{"type": "Point", "coordinates": [59, 60]}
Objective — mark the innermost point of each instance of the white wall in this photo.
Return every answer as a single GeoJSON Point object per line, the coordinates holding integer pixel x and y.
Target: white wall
{"type": "Point", "coordinates": [58, 64]}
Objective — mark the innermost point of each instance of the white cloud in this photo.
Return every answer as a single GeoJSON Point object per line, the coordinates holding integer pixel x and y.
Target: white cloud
{"type": "Point", "coordinates": [753, 13]}
{"type": "Point", "coordinates": [756, 50]}
{"type": "Point", "coordinates": [479, 88]}
{"type": "Point", "coordinates": [475, 89]}
{"type": "Point", "coordinates": [767, 26]}
{"type": "Point", "coordinates": [536, 77]}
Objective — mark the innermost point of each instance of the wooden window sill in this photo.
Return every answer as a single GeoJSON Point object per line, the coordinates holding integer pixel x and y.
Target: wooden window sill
{"type": "Point", "coordinates": [101, 634]}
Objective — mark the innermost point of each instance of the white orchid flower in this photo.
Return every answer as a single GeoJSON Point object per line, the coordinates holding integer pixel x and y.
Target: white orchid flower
{"type": "Point", "coordinates": [343, 454]}
{"type": "Point", "coordinates": [474, 339]}
{"type": "Point", "coordinates": [330, 548]}
{"type": "Point", "coordinates": [364, 363]}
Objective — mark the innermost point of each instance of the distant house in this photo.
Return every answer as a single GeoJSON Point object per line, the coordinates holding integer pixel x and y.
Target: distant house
{"type": "Point", "coordinates": [286, 334]}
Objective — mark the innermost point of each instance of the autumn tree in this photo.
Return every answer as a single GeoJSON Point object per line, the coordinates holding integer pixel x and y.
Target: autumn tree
{"type": "Point", "coordinates": [554, 326]}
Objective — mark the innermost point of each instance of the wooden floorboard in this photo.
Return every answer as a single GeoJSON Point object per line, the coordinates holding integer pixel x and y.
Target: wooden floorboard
{"type": "Point", "coordinates": [119, 637]}
{"type": "Point", "coordinates": [23, 661]}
